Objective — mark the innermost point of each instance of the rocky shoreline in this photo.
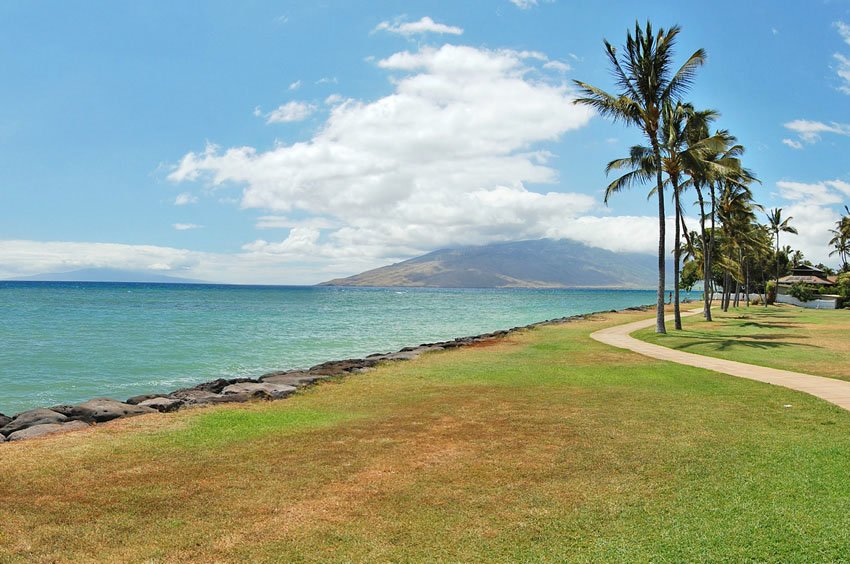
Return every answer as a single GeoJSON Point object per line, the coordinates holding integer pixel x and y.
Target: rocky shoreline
{"type": "Point", "coordinates": [273, 386]}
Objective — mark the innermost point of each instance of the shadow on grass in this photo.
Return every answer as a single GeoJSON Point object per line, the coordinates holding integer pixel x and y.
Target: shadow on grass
{"type": "Point", "coordinates": [769, 325]}
{"type": "Point", "coordinates": [725, 343]}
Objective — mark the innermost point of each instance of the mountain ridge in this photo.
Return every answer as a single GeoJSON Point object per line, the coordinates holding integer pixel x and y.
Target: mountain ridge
{"type": "Point", "coordinates": [105, 275]}
{"type": "Point", "coordinates": [539, 263]}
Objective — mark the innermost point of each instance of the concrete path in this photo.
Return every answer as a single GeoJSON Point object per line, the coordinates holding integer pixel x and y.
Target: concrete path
{"type": "Point", "coordinates": [829, 389]}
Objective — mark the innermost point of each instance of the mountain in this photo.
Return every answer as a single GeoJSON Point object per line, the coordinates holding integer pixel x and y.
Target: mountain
{"type": "Point", "coordinates": [543, 263]}
{"type": "Point", "coordinates": [106, 275]}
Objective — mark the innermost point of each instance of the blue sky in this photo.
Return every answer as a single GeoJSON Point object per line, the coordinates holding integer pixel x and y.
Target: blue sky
{"type": "Point", "coordinates": [293, 142]}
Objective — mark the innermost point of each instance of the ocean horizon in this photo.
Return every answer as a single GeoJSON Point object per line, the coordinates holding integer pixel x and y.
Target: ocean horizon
{"type": "Point", "coordinates": [66, 342]}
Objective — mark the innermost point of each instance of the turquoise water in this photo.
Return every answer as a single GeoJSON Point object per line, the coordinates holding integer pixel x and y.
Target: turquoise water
{"type": "Point", "coordinates": [68, 342]}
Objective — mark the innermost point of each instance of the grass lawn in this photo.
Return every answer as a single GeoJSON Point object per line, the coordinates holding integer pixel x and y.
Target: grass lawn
{"type": "Point", "coordinates": [547, 446]}
{"type": "Point", "coordinates": [787, 337]}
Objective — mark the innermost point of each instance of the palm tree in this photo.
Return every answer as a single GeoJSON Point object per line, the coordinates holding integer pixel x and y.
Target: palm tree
{"type": "Point", "coordinates": [646, 82]}
{"type": "Point", "coordinates": [841, 239]}
{"type": "Point", "coordinates": [678, 160]}
{"type": "Point", "coordinates": [719, 161]}
{"type": "Point", "coordinates": [778, 225]}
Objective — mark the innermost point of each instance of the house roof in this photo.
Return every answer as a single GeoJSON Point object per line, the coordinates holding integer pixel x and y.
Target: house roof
{"type": "Point", "coordinates": [792, 279]}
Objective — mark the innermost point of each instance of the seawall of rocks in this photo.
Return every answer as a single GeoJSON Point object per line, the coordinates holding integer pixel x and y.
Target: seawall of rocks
{"type": "Point", "coordinates": [273, 386]}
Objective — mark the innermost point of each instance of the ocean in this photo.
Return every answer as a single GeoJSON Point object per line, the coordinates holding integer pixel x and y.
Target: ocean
{"type": "Point", "coordinates": [66, 342]}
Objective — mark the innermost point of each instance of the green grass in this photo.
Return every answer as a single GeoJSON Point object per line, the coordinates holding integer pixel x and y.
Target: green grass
{"type": "Point", "coordinates": [786, 337]}
{"type": "Point", "coordinates": [545, 447]}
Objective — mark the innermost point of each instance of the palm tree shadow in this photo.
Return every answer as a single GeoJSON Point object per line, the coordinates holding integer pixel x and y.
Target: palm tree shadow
{"type": "Point", "coordinates": [770, 325]}
{"type": "Point", "coordinates": [761, 342]}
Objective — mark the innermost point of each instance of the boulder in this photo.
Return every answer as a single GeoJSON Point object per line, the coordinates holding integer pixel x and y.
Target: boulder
{"type": "Point", "coordinates": [105, 409]}
{"type": "Point", "coordinates": [4, 420]}
{"type": "Point", "coordinates": [162, 404]}
{"type": "Point", "coordinates": [297, 379]}
{"type": "Point", "coordinates": [46, 429]}
{"type": "Point", "coordinates": [260, 389]}
{"type": "Point", "coordinates": [31, 418]}
{"type": "Point", "coordinates": [216, 386]}
{"type": "Point", "coordinates": [2, 439]}
{"type": "Point", "coordinates": [192, 396]}
{"type": "Point", "coordinates": [336, 367]}
{"type": "Point", "coordinates": [136, 400]}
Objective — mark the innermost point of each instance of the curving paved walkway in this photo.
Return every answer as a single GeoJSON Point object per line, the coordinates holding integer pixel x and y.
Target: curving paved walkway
{"type": "Point", "coordinates": [829, 389]}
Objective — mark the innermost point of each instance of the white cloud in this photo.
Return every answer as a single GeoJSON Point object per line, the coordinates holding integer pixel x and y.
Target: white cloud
{"type": "Point", "coordinates": [295, 85]}
{"type": "Point", "coordinates": [447, 158]}
{"type": "Point", "coordinates": [424, 25]}
{"type": "Point", "coordinates": [186, 226]}
{"type": "Point", "coordinates": [184, 199]}
{"type": "Point", "coordinates": [283, 222]}
{"type": "Point", "coordinates": [524, 4]}
{"type": "Point", "coordinates": [813, 207]}
{"type": "Point", "coordinates": [843, 72]}
{"type": "Point", "coordinates": [557, 65]}
{"type": "Point", "coordinates": [843, 31]}
{"type": "Point", "coordinates": [327, 80]}
{"type": "Point", "coordinates": [817, 194]}
{"type": "Point", "coordinates": [810, 131]}
{"type": "Point", "coordinates": [289, 112]}
{"type": "Point", "coordinates": [24, 258]}
{"type": "Point", "coordinates": [793, 144]}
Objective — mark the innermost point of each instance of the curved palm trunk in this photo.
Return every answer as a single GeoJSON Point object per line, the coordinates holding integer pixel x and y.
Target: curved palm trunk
{"type": "Point", "coordinates": [662, 232]}
{"type": "Point", "coordinates": [677, 255]}
{"type": "Point", "coordinates": [776, 280]}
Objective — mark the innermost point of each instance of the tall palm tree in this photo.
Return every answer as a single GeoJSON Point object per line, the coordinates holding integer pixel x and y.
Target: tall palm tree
{"type": "Point", "coordinates": [719, 162]}
{"type": "Point", "coordinates": [646, 81]}
{"type": "Point", "coordinates": [841, 239]}
{"type": "Point", "coordinates": [778, 225]}
{"type": "Point", "coordinates": [678, 159]}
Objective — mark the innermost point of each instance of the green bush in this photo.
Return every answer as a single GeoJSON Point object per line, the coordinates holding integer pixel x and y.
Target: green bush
{"type": "Point", "coordinates": [770, 292]}
{"type": "Point", "coordinates": [802, 291]}
{"type": "Point", "coordinates": [842, 286]}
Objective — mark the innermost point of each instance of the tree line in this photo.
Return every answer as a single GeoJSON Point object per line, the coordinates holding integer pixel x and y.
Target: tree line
{"type": "Point", "coordinates": [684, 154]}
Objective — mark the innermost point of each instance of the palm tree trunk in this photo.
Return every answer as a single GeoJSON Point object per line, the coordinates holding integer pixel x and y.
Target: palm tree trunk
{"type": "Point", "coordinates": [776, 280]}
{"type": "Point", "coordinates": [677, 256]}
{"type": "Point", "coordinates": [706, 311]}
{"type": "Point", "coordinates": [713, 233]}
{"type": "Point", "coordinates": [662, 232]}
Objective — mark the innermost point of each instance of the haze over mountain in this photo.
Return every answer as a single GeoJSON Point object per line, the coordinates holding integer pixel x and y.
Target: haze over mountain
{"type": "Point", "coordinates": [105, 275]}
{"type": "Point", "coordinates": [543, 263]}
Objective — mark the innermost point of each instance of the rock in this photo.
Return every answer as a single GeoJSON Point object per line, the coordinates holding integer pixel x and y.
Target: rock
{"type": "Point", "coordinates": [408, 355]}
{"type": "Point", "coordinates": [2, 439]}
{"type": "Point", "coordinates": [216, 386]}
{"type": "Point", "coordinates": [336, 367]}
{"type": "Point", "coordinates": [192, 396]}
{"type": "Point", "coordinates": [4, 420]}
{"type": "Point", "coordinates": [105, 409]}
{"type": "Point", "coordinates": [136, 400]}
{"type": "Point", "coordinates": [162, 404]}
{"type": "Point", "coordinates": [297, 379]}
{"type": "Point", "coordinates": [273, 391]}
{"type": "Point", "coordinates": [32, 418]}
{"type": "Point", "coordinates": [46, 429]}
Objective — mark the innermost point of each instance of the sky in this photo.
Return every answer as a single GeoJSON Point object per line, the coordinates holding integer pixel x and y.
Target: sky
{"type": "Point", "coordinates": [295, 142]}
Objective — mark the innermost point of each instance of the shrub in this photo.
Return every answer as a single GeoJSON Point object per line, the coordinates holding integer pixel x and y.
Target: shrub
{"type": "Point", "coordinates": [802, 291]}
{"type": "Point", "coordinates": [770, 291]}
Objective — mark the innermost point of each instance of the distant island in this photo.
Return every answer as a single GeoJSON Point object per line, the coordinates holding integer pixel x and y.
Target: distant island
{"type": "Point", "coordinates": [543, 263]}
{"type": "Point", "coordinates": [106, 275]}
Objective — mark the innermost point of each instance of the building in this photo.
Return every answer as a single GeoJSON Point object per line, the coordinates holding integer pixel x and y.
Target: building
{"type": "Point", "coordinates": [808, 275]}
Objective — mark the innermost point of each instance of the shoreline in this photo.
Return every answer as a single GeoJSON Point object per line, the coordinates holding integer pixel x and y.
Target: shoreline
{"type": "Point", "coordinates": [276, 385]}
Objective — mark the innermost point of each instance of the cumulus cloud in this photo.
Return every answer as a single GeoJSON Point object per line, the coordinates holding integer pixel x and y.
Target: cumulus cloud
{"type": "Point", "coordinates": [814, 208]}
{"type": "Point", "coordinates": [793, 144]}
{"type": "Point", "coordinates": [424, 25]}
{"type": "Point", "coordinates": [295, 85]}
{"type": "Point", "coordinates": [186, 226]}
{"type": "Point", "coordinates": [810, 131]}
{"type": "Point", "coordinates": [289, 112]}
{"type": "Point", "coordinates": [449, 157]}
{"type": "Point", "coordinates": [524, 4]}
{"type": "Point", "coordinates": [184, 199]}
